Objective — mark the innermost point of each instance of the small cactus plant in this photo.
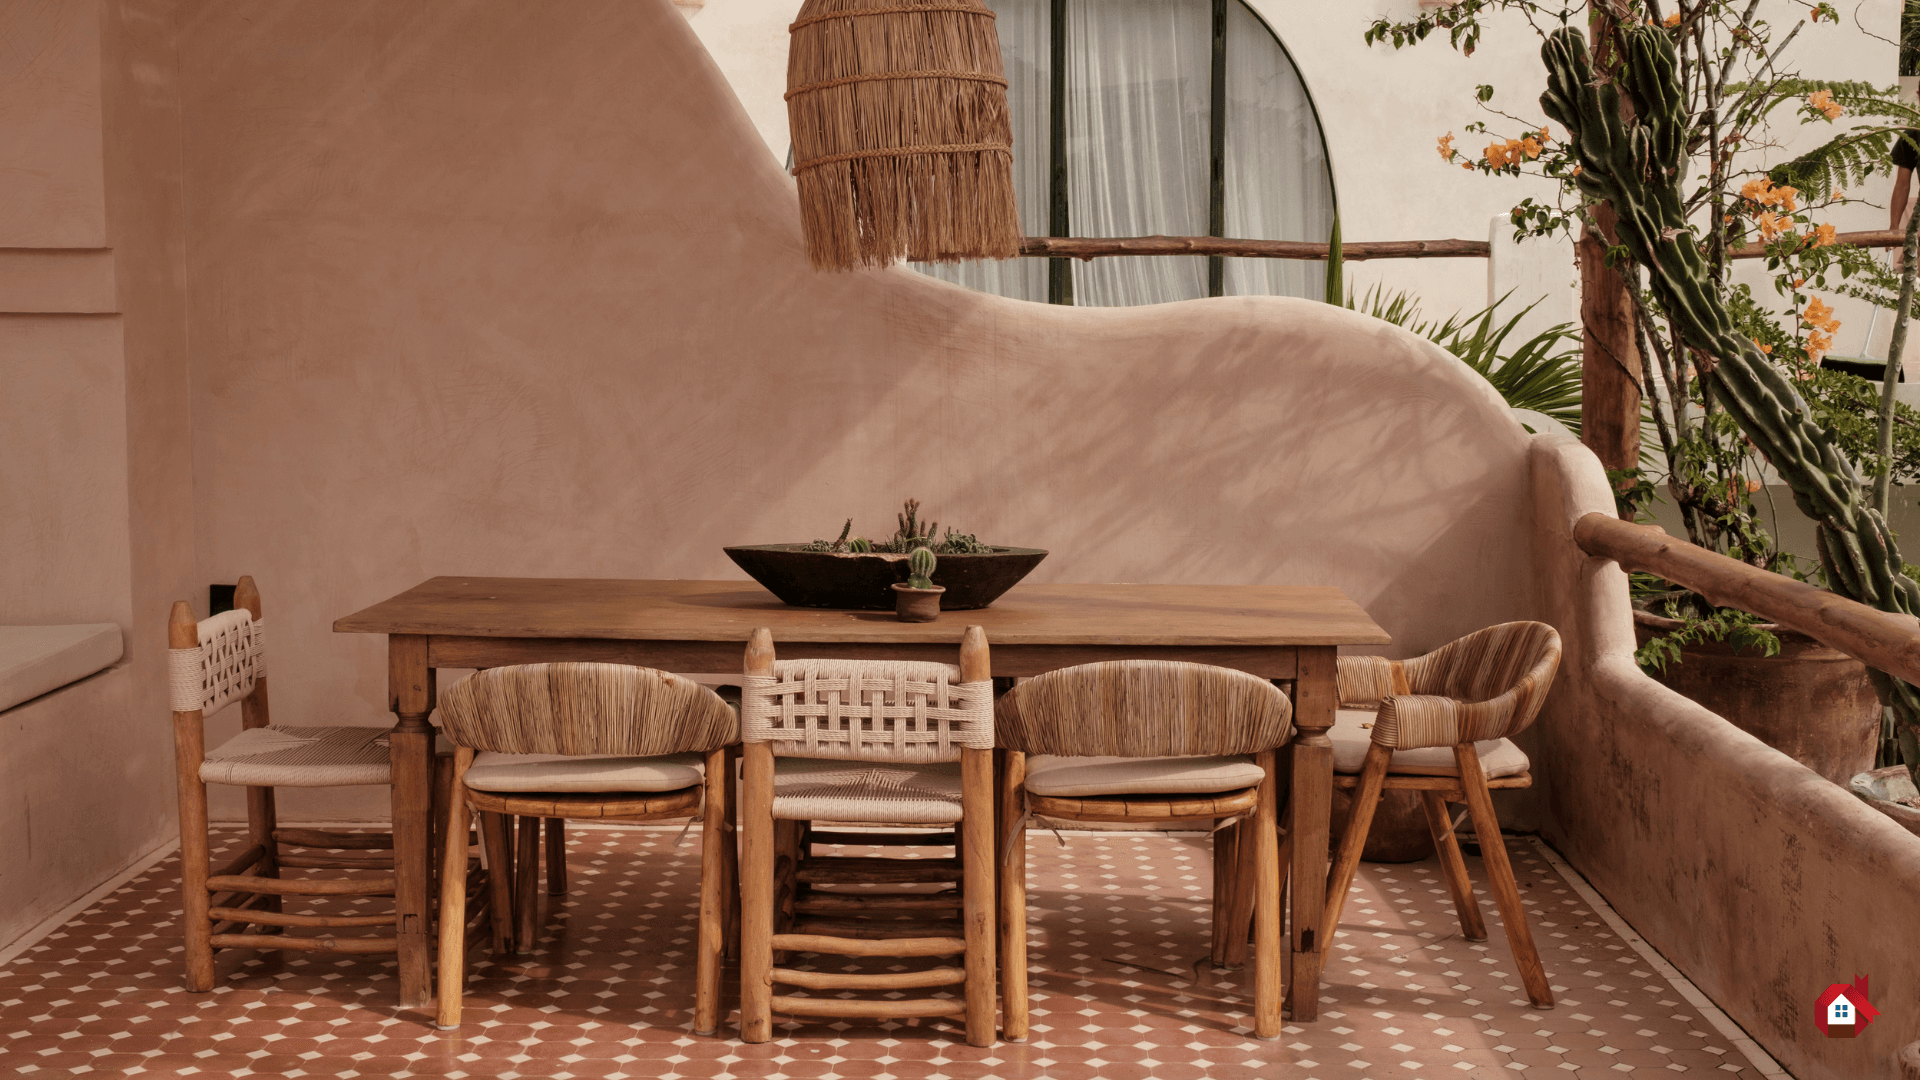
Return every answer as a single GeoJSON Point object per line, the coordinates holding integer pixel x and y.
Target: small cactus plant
{"type": "Point", "coordinates": [921, 565]}
{"type": "Point", "coordinates": [860, 545]}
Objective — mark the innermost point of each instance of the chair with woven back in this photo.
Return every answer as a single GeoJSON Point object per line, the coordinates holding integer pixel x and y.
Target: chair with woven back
{"type": "Point", "coordinates": [883, 742]}
{"type": "Point", "coordinates": [1150, 741]}
{"type": "Point", "coordinates": [213, 663]}
{"type": "Point", "coordinates": [588, 741]}
{"type": "Point", "coordinates": [1440, 724]}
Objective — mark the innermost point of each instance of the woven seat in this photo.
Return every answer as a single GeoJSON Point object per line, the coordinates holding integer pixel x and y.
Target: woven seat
{"type": "Point", "coordinates": [866, 741]}
{"type": "Point", "coordinates": [1077, 777]}
{"type": "Point", "coordinates": [809, 789]}
{"type": "Point", "coordinates": [1460, 701]}
{"type": "Point", "coordinates": [301, 757]}
{"type": "Point", "coordinates": [560, 772]}
{"type": "Point", "coordinates": [589, 741]}
{"type": "Point", "coordinates": [1111, 742]}
{"type": "Point", "coordinates": [1352, 733]}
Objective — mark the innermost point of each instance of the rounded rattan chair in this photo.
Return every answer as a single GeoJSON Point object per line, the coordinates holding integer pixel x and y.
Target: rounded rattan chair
{"type": "Point", "coordinates": [596, 742]}
{"type": "Point", "coordinates": [1440, 724]}
{"type": "Point", "coordinates": [1149, 741]}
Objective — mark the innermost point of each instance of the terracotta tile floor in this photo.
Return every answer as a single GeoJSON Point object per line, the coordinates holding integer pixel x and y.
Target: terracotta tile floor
{"type": "Point", "coordinates": [1119, 990]}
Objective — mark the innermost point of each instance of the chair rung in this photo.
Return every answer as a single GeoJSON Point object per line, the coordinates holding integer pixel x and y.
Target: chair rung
{"type": "Point", "coordinates": [844, 1007]}
{"type": "Point", "coordinates": [877, 929]}
{"type": "Point", "coordinates": [336, 862]}
{"type": "Point", "coordinates": [279, 918]}
{"type": "Point", "coordinates": [316, 944]}
{"type": "Point", "coordinates": [925, 946]}
{"type": "Point", "coordinates": [343, 841]}
{"type": "Point", "coordinates": [242, 862]}
{"type": "Point", "coordinates": [302, 886]}
{"type": "Point", "coordinates": [898, 980]}
{"type": "Point", "coordinates": [833, 870]}
{"type": "Point", "coordinates": [822, 902]}
{"type": "Point", "coordinates": [884, 838]}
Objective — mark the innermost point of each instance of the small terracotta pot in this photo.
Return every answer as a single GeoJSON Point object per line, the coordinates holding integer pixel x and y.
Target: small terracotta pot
{"type": "Point", "coordinates": [917, 605]}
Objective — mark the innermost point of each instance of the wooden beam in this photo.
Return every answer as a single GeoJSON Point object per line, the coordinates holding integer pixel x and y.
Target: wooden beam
{"type": "Point", "coordinates": [1873, 238]}
{"type": "Point", "coordinates": [1082, 247]}
{"type": "Point", "coordinates": [1882, 640]}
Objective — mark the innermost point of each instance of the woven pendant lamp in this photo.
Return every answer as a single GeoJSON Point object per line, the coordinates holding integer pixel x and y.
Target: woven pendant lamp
{"type": "Point", "coordinates": [902, 142]}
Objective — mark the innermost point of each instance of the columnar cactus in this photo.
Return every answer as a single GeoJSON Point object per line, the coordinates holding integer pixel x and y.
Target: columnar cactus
{"type": "Point", "coordinates": [1637, 167]}
{"type": "Point", "coordinates": [921, 565]}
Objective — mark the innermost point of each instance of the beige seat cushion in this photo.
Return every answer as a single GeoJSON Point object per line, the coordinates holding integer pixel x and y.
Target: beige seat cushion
{"type": "Point", "coordinates": [1352, 733]}
{"type": "Point", "coordinates": [812, 789]}
{"type": "Point", "coordinates": [1079, 777]}
{"type": "Point", "coordinates": [562, 772]}
{"type": "Point", "coordinates": [301, 757]}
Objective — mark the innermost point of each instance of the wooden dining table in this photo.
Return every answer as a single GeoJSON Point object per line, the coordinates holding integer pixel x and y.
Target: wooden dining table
{"type": "Point", "coordinates": [1281, 632]}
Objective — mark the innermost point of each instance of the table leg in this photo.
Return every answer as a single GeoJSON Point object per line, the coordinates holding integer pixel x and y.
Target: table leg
{"type": "Point", "coordinates": [410, 691]}
{"type": "Point", "coordinates": [1316, 697]}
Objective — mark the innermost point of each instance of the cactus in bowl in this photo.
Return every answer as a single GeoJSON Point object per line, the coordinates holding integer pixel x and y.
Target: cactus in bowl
{"type": "Point", "coordinates": [921, 566]}
{"type": "Point", "coordinates": [917, 599]}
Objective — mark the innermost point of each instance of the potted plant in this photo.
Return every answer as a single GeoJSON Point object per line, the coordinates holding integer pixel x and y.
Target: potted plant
{"type": "Point", "coordinates": [917, 599]}
{"type": "Point", "coordinates": [1661, 127]}
{"type": "Point", "coordinates": [854, 572]}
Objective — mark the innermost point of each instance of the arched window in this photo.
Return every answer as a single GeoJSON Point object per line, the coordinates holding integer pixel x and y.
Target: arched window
{"type": "Point", "coordinates": [1143, 117]}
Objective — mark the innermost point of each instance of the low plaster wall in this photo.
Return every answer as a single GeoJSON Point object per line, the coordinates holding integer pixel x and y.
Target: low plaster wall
{"type": "Point", "coordinates": [1758, 879]}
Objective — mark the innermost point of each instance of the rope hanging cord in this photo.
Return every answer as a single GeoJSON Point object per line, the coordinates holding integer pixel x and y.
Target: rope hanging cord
{"type": "Point", "coordinates": [903, 151]}
{"type": "Point", "coordinates": [965, 9]}
{"type": "Point", "coordinates": [882, 76]}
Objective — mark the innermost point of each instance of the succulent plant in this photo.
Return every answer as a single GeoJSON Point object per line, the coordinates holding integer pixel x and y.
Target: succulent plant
{"type": "Point", "coordinates": [912, 534]}
{"type": "Point", "coordinates": [921, 565]}
{"type": "Point", "coordinates": [860, 545]}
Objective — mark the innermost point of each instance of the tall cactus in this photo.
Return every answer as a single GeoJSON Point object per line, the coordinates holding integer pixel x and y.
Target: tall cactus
{"type": "Point", "coordinates": [1638, 167]}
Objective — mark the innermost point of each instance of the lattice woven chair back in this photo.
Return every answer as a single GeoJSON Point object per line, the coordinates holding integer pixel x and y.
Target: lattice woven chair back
{"type": "Point", "coordinates": [223, 668]}
{"type": "Point", "coordinates": [1487, 685]}
{"type": "Point", "coordinates": [872, 710]}
{"type": "Point", "coordinates": [580, 709]}
{"type": "Point", "coordinates": [1144, 708]}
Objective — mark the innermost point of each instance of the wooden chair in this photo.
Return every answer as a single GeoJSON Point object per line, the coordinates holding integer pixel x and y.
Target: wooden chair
{"type": "Point", "coordinates": [586, 741]}
{"type": "Point", "coordinates": [213, 663]}
{"type": "Point", "coordinates": [1440, 724]}
{"type": "Point", "coordinates": [866, 741]}
{"type": "Point", "coordinates": [1149, 741]}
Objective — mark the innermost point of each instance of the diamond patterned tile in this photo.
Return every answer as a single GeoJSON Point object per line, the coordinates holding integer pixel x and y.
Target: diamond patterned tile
{"type": "Point", "coordinates": [1121, 990]}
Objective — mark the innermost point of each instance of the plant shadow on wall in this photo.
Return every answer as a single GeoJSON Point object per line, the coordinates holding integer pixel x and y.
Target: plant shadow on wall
{"type": "Point", "coordinates": [1671, 155]}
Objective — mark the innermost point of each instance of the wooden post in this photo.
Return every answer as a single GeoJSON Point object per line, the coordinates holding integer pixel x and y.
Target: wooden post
{"type": "Point", "coordinates": [1609, 358]}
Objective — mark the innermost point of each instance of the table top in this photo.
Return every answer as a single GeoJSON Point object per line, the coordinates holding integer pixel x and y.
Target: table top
{"type": "Point", "coordinates": [1190, 615]}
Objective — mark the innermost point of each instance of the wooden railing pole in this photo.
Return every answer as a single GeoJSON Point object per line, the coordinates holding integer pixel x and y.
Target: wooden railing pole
{"type": "Point", "coordinates": [1091, 247]}
{"type": "Point", "coordinates": [1888, 642]}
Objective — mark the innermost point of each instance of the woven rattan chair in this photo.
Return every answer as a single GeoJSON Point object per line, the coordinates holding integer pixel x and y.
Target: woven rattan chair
{"type": "Point", "coordinates": [866, 741]}
{"type": "Point", "coordinates": [213, 663]}
{"type": "Point", "coordinates": [1149, 741]}
{"type": "Point", "coordinates": [594, 742]}
{"type": "Point", "coordinates": [1440, 725]}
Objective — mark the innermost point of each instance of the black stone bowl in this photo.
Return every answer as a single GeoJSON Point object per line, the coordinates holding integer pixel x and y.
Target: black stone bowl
{"type": "Point", "coordinates": [824, 579]}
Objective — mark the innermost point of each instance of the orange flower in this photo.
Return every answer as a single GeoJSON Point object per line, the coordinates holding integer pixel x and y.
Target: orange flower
{"type": "Point", "coordinates": [1823, 100]}
{"type": "Point", "coordinates": [1753, 486]}
{"type": "Point", "coordinates": [1822, 236]}
{"type": "Point", "coordinates": [1819, 316]}
{"type": "Point", "coordinates": [1497, 155]}
{"type": "Point", "coordinates": [1575, 172]}
{"type": "Point", "coordinates": [1755, 190]}
{"type": "Point", "coordinates": [1531, 146]}
{"type": "Point", "coordinates": [1763, 348]}
{"type": "Point", "coordinates": [1544, 137]}
{"type": "Point", "coordinates": [1467, 165]}
{"type": "Point", "coordinates": [1446, 147]}
{"type": "Point", "coordinates": [1770, 226]}
{"type": "Point", "coordinates": [1818, 345]}
{"type": "Point", "coordinates": [1784, 197]}
{"type": "Point", "coordinates": [1797, 282]}
{"type": "Point", "coordinates": [1673, 20]}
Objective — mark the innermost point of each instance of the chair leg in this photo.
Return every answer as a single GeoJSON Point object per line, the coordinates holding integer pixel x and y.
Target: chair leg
{"type": "Point", "coordinates": [1366, 798]}
{"type": "Point", "coordinates": [1506, 894]}
{"type": "Point", "coordinates": [1440, 823]}
{"type": "Point", "coordinates": [556, 856]}
{"type": "Point", "coordinates": [1012, 852]}
{"type": "Point", "coordinates": [730, 857]}
{"type": "Point", "coordinates": [1240, 895]}
{"type": "Point", "coordinates": [975, 845]}
{"type": "Point", "coordinates": [261, 821]}
{"type": "Point", "coordinates": [1226, 879]}
{"type": "Point", "coordinates": [1266, 911]}
{"type": "Point", "coordinates": [195, 903]}
{"type": "Point", "coordinates": [499, 847]}
{"type": "Point", "coordinates": [442, 790]}
{"type": "Point", "coordinates": [756, 896]}
{"type": "Point", "coordinates": [526, 885]}
{"type": "Point", "coordinates": [713, 919]}
{"type": "Point", "coordinates": [453, 896]}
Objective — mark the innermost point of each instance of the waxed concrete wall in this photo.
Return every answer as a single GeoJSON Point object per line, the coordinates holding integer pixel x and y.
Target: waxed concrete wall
{"type": "Point", "coordinates": [1758, 879]}
{"type": "Point", "coordinates": [485, 289]}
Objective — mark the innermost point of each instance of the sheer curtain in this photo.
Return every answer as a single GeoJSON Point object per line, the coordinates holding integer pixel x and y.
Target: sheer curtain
{"type": "Point", "coordinates": [1278, 186]}
{"type": "Point", "coordinates": [1138, 100]}
{"type": "Point", "coordinates": [1024, 50]}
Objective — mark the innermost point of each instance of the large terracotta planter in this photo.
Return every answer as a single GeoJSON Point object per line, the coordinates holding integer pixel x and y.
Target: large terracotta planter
{"type": "Point", "coordinates": [1812, 703]}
